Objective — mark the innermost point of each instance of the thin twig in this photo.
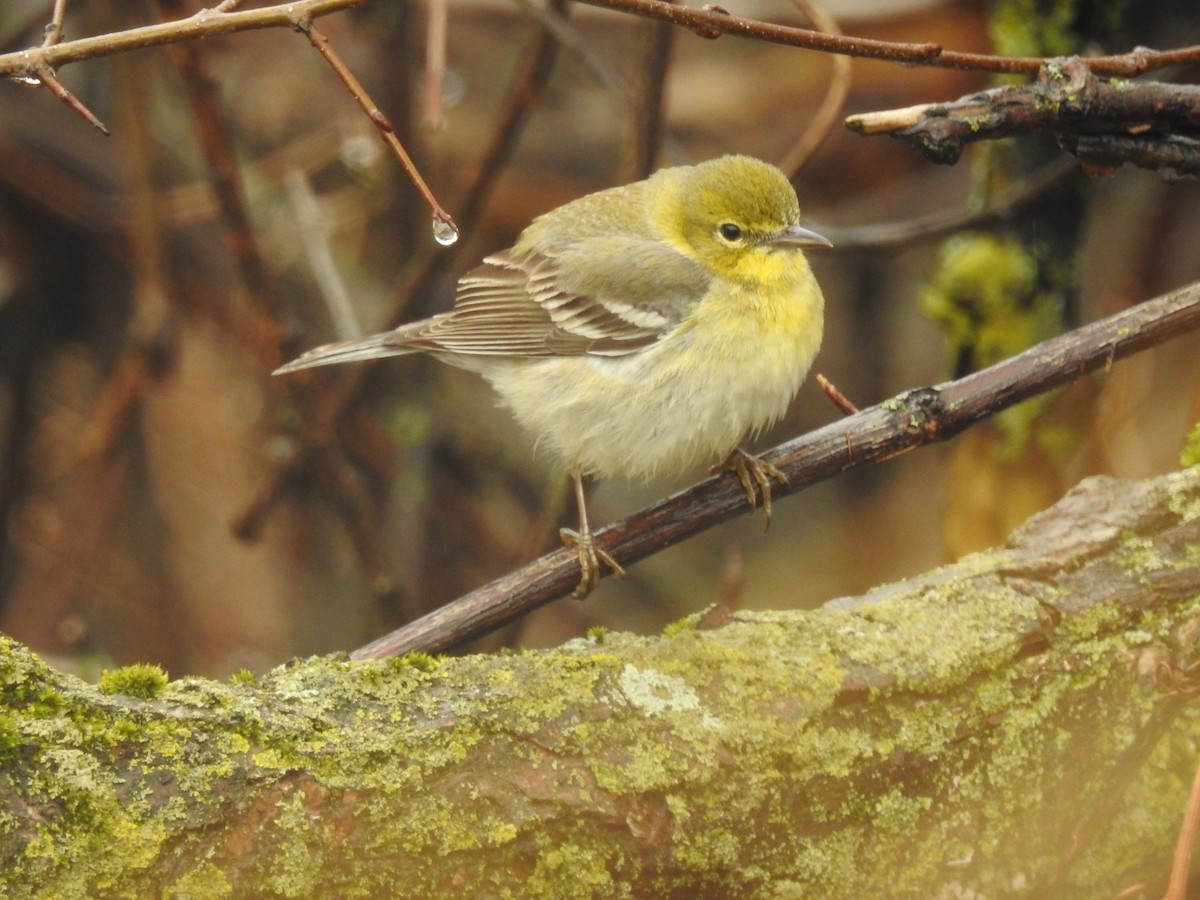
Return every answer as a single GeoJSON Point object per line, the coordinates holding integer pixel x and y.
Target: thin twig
{"type": "Point", "coordinates": [890, 235]}
{"type": "Point", "coordinates": [342, 393]}
{"type": "Point", "coordinates": [215, 21]}
{"type": "Point", "coordinates": [836, 397]}
{"type": "Point", "coordinates": [206, 23]}
{"type": "Point", "coordinates": [1103, 812]}
{"type": "Point", "coordinates": [831, 106]}
{"type": "Point", "coordinates": [892, 428]}
{"type": "Point", "coordinates": [646, 131]}
{"type": "Point", "coordinates": [317, 252]}
{"type": "Point", "coordinates": [224, 178]}
{"type": "Point", "coordinates": [1177, 887]}
{"type": "Point", "coordinates": [46, 76]}
{"type": "Point", "coordinates": [54, 30]}
{"type": "Point", "coordinates": [711, 23]}
{"type": "Point", "coordinates": [383, 125]}
{"type": "Point", "coordinates": [528, 85]}
{"type": "Point", "coordinates": [554, 19]}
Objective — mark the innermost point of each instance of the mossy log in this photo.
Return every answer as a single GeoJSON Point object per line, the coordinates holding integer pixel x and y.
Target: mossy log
{"type": "Point", "coordinates": [1018, 723]}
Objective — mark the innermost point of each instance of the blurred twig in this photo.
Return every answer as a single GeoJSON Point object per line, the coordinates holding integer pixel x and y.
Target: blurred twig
{"type": "Point", "coordinates": [435, 63]}
{"type": "Point", "coordinates": [553, 18]}
{"type": "Point", "coordinates": [1177, 888]}
{"type": "Point", "coordinates": [890, 429]}
{"type": "Point", "coordinates": [646, 128]}
{"type": "Point", "coordinates": [319, 256]}
{"type": "Point", "coordinates": [898, 234]}
{"type": "Point", "coordinates": [831, 106]}
{"type": "Point", "coordinates": [224, 178]}
{"type": "Point", "coordinates": [340, 392]}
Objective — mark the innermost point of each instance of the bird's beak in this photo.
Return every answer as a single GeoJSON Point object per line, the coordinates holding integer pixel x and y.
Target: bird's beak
{"type": "Point", "coordinates": [795, 236]}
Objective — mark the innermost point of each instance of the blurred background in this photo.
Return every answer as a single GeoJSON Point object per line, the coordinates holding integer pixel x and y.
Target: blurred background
{"type": "Point", "coordinates": [165, 500]}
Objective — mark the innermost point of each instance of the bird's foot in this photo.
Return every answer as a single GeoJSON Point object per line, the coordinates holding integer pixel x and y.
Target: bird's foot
{"type": "Point", "coordinates": [590, 559]}
{"type": "Point", "coordinates": [752, 471]}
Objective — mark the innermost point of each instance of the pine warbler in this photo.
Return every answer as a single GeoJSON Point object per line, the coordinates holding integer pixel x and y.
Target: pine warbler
{"type": "Point", "coordinates": [638, 329]}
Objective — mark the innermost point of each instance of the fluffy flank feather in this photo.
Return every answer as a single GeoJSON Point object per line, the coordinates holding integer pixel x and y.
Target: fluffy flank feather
{"type": "Point", "coordinates": [374, 347]}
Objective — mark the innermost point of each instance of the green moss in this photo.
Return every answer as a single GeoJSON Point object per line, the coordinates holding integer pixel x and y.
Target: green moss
{"type": "Point", "coordinates": [1034, 27]}
{"type": "Point", "coordinates": [141, 681]}
{"type": "Point", "coordinates": [242, 676]}
{"type": "Point", "coordinates": [10, 739]}
{"type": "Point", "coordinates": [835, 725]}
{"type": "Point", "coordinates": [1190, 455]}
{"type": "Point", "coordinates": [993, 297]}
{"type": "Point", "coordinates": [679, 626]}
{"type": "Point", "coordinates": [596, 634]}
{"type": "Point", "coordinates": [571, 863]}
{"type": "Point", "coordinates": [204, 881]}
{"type": "Point", "coordinates": [422, 662]}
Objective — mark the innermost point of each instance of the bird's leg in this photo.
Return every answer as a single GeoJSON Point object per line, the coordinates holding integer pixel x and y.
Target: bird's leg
{"type": "Point", "coordinates": [750, 471]}
{"type": "Point", "coordinates": [590, 556]}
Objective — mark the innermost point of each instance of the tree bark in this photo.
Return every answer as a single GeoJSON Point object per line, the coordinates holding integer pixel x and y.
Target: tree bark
{"type": "Point", "coordinates": [1018, 723]}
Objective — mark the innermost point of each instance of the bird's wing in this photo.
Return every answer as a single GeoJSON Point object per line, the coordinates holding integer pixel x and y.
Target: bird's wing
{"type": "Point", "coordinates": [606, 296]}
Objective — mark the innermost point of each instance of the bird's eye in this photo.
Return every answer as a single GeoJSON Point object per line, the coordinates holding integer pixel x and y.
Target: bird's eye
{"type": "Point", "coordinates": [730, 232]}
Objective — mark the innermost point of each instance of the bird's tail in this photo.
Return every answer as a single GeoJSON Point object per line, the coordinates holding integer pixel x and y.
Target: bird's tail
{"type": "Point", "coordinates": [374, 347]}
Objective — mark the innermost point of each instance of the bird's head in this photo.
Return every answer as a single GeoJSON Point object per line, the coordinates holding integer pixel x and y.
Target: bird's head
{"type": "Point", "coordinates": [734, 214]}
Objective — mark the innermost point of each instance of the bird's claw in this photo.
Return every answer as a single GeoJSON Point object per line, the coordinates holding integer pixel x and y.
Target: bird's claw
{"type": "Point", "coordinates": [590, 559]}
{"type": "Point", "coordinates": [752, 471]}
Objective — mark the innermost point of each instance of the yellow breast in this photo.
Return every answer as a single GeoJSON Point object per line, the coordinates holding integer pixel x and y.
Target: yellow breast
{"type": "Point", "coordinates": [730, 369]}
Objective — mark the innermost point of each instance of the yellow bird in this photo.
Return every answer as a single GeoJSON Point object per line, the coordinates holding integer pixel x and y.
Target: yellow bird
{"type": "Point", "coordinates": [637, 330]}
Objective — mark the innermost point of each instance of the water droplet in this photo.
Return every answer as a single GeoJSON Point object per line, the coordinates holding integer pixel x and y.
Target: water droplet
{"type": "Point", "coordinates": [444, 232]}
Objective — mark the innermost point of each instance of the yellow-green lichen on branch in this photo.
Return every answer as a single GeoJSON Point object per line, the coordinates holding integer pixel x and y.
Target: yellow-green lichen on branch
{"type": "Point", "coordinates": [849, 751]}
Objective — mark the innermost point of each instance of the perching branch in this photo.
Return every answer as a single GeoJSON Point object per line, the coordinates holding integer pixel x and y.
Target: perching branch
{"type": "Point", "coordinates": [918, 417]}
{"type": "Point", "coordinates": [1021, 717]}
{"type": "Point", "coordinates": [1103, 122]}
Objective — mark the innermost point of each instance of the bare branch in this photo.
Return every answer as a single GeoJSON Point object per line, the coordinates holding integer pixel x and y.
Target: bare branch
{"type": "Point", "coordinates": [54, 30]}
{"type": "Point", "coordinates": [444, 229]}
{"type": "Point", "coordinates": [1113, 121]}
{"type": "Point", "coordinates": [45, 74]}
{"type": "Point", "coordinates": [894, 427]}
{"type": "Point", "coordinates": [711, 23]}
{"type": "Point", "coordinates": [206, 23]}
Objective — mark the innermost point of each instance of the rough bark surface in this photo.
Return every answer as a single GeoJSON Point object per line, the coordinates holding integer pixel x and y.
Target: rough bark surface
{"type": "Point", "coordinates": [1018, 723]}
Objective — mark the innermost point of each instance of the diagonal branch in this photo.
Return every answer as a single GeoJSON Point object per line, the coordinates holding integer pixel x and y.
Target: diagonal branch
{"type": "Point", "coordinates": [892, 428]}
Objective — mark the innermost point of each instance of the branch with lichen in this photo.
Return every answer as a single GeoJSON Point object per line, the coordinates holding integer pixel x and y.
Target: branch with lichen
{"type": "Point", "coordinates": [1102, 122]}
{"type": "Point", "coordinates": [1021, 717]}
